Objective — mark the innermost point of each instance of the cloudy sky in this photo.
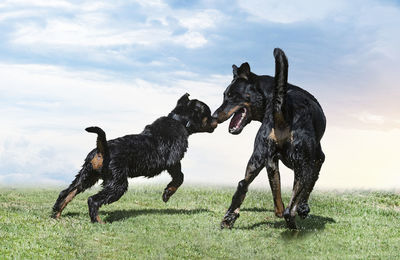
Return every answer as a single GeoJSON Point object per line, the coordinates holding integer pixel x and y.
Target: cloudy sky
{"type": "Point", "coordinates": [66, 65]}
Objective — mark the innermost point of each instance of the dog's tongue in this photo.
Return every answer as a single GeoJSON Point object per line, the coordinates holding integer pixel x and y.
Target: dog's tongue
{"type": "Point", "coordinates": [235, 121]}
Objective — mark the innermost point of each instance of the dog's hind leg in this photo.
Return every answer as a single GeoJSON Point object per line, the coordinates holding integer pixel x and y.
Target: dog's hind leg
{"type": "Point", "coordinates": [177, 180]}
{"type": "Point", "coordinates": [306, 172]}
{"type": "Point", "coordinates": [303, 209]}
{"type": "Point", "coordinates": [112, 191]}
{"type": "Point", "coordinates": [300, 195]}
{"type": "Point", "coordinates": [275, 184]}
{"type": "Point", "coordinates": [83, 180]}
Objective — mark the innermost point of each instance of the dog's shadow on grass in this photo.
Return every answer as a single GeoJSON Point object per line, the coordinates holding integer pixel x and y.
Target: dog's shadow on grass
{"type": "Point", "coordinates": [118, 215]}
{"type": "Point", "coordinates": [310, 225]}
{"type": "Point", "coordinates": [257, 209]}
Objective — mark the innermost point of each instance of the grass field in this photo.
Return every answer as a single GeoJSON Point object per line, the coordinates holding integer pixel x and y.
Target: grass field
{"type": "Point", "coordinates": [355, 225]}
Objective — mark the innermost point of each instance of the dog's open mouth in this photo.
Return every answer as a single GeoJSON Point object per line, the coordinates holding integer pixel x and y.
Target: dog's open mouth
{"type": "Point", "coordinates": [238, 121]}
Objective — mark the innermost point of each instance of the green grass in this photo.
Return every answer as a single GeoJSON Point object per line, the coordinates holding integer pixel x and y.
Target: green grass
{"type": "Point", "coordinates": [356, 225]}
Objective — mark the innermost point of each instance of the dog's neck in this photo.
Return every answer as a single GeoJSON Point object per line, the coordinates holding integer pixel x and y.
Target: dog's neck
{"type": "Point", "coordinates": [184, 121]}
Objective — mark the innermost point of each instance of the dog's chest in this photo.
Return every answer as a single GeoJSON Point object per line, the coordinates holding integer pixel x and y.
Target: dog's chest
{"type": "Point", "coordinates": [281, 135]}
{"type": "Point", "coordinates": [173, 152]}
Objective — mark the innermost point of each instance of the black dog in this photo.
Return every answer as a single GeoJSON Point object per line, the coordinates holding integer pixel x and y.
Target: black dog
{"type": "Point", "coordinates": [292, 126]}
{"type": "Point", "coordinates": [161, 146]}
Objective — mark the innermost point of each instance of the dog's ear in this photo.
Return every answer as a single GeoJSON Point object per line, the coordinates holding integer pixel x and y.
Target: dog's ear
{"type": "Point", "coordinates": [244, 71]}
{"type": "Point", "coordinates": [184, 99]}
{"type": "Point", "coordinates": [235, 71]}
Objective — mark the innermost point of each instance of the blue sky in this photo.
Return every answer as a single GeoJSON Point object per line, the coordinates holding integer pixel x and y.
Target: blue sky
{"type": "Point", "coordinates": [65, 65]}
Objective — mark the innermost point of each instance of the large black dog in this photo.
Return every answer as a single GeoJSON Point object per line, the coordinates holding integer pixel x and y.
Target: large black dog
{"type": "Point", "coordinates": [161, 146]}
{"type": "Point", "coordinates": [292, 126]}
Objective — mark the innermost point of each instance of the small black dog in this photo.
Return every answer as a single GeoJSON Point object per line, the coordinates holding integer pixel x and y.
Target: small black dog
{"type": "Point", "coordinates": [161, 146]}
{"type": "Point", "coordinates": [292, 126]}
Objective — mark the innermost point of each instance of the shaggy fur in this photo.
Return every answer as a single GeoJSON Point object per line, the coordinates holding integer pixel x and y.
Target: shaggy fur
{"type": "Point", "coordinates": [292, 126]}
{"type": "Point", "coordinates": [161, 146]}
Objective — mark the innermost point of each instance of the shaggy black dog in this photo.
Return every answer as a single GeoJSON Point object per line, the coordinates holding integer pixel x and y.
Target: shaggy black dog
{"type": "Point", "coordinates": [292, 126]}
{"type": "Point", "coordinates": [161, 146]}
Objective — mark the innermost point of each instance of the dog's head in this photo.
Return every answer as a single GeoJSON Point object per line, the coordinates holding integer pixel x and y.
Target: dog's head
{"type": "Point", "coordinates": [194, 114]}
{"type": "Point", "coordinates": [241, 99]}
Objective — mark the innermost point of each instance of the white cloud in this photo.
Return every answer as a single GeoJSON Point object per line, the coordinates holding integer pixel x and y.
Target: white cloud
{"type": "Point", "coordinates": [88, 32]}
{"type": "Point", "coordinates": [191, 40]}
{"type": "Point", "coordinates": [90, 26]}
{"type": "Point", "coordinates": [18, 14]}
{"type": "Point", "coordinates": [152, 3]}
{"type": "Point", "coordinates": [290, 11]}
{"type": "Point", "coordinates": [199, 20]}
{"type": "Point", "coordinates": [39, 3]}
{"type": "Point", "coordinates": [60, 5]}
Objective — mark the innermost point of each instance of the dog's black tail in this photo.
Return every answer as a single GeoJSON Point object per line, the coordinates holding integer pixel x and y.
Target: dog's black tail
{"type": "Point", "coordinates": [101, 142]}
{"type": "Point", "coordinates": [281, 76]}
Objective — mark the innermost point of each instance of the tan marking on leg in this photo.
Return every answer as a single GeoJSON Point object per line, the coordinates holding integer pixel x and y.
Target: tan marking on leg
{"type": "Point", "coordinates": [67, 200]}
{"type": "Point", "coordinates": [272, 135]}
{"type": "Point", "coordinates": [237, 211]}
{"type": "Point", "coordinates": [279, 208]}
{"type": "Point", "coordinates": [172, 189]}
{"type": "Point", "coordinates": [99, 220]}
{"type": "Point", "coordinates": [294, 200]}
{"type": "Point", "coordinates": [97, 161]}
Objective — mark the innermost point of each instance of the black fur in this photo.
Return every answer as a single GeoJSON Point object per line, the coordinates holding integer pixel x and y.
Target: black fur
{"type": "Point", "coordinates": [161, 146]}
{"type": "Point", "coordinates": [292, 126]}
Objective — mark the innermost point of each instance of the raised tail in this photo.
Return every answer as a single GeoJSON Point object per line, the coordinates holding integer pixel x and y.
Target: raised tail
{"type": "Point", "coordinates": [101, 142]}
{"type": "Point", "coordinates": [281, 76]}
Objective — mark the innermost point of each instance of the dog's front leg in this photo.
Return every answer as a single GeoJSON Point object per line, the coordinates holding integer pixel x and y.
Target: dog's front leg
{"type": "Point", "coordinates": [275, 184]}
{"type": "Point", "coordinates": [177, 180]}
{"type": "Point", "coordinates": [254, 166]}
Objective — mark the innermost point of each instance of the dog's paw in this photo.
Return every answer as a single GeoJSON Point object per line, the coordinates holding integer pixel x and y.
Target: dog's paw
{"type": "Point", "coordinates": [168, 192]}
{"type": "Point", "coordinates": [97, 220]}
{"type": "Point", "coordinates": [290, 220]}
{"type": "Point", "coordinates": [56, 214]}
{"type": "Point", "coordinates": [165, 196]}
{"type": "Point", "coordinates": [303, 210]}
{"type": "Point", "coordinates": [229, 219]}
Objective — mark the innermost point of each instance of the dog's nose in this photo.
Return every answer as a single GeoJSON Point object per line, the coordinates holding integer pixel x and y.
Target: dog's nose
{"type": "Point", "coordinates": [214, 122]}
{"type": "Point", "coordinates": [215, 115]}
